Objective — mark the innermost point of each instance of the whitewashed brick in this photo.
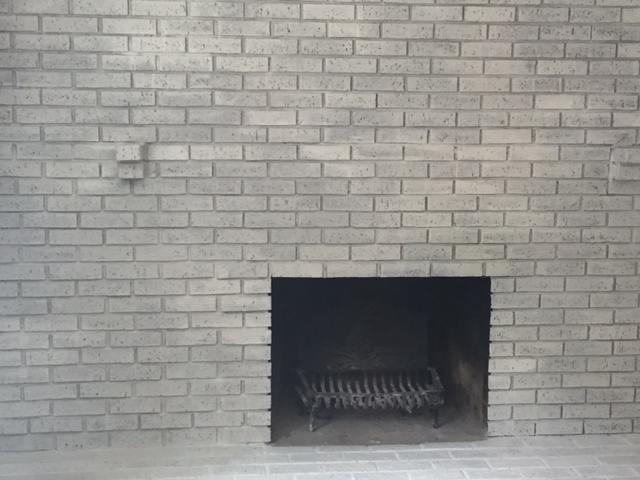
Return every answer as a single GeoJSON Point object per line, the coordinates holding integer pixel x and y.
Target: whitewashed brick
{"type": "Point", "coordinates": [490, 14]}
{"type": "Point", "coordinates": [243, 28]}
{"type": "Point", "coordinates": [374, 12]}
{"type": "Point", "coordinates": [42, 7]}
{"type": "Point", "coordinates": [335, 154]}
{"type": "Point", "coordinates": [170, 8]}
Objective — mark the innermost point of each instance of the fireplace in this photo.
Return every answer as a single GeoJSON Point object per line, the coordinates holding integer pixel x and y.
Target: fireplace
{"type": "Point", "coordinates": [381, 325]}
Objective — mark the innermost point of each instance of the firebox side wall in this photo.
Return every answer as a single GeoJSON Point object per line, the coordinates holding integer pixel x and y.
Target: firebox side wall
{"type": "Point", "coordinates": [162, 161]}
{"type": "Point", "coordinates": [459, 343]}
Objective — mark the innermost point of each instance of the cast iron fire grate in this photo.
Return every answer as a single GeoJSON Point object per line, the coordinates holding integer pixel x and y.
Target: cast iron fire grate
{"type": "Point", "coordinates": [407, 390]}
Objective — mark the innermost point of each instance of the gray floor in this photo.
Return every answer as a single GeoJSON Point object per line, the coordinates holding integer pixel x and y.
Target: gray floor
{"type": "Point", "coordinates": [558, 458]}
{"type": "Point", "coordinates": [374, 427]}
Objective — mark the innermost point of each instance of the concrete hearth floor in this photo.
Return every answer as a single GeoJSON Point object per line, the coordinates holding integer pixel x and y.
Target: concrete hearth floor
{"type": "Point", "coordinates": [559, 458]}
{"type": "Point", "coordinates": [367, 427]}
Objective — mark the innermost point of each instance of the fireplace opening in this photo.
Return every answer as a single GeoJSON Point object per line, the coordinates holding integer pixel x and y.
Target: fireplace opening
{"type": "Point", "coordinates": [374, 352]}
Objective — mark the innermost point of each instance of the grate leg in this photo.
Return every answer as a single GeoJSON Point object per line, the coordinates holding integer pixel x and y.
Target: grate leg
{"type": "Point", "coordinates": [312, 419]}
{"type": "Point", "coordinates": [435, 413]}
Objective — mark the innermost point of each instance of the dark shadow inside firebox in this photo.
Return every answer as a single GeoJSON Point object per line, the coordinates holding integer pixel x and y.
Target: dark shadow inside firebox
{"type": "Point", "coordinates": [397, 323]}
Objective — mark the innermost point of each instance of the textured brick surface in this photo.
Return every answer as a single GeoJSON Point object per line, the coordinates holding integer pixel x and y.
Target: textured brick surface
{"type": "Point", "coordinates": [584, 456]}
{"type": "Point", "coordinates": [308, 139]}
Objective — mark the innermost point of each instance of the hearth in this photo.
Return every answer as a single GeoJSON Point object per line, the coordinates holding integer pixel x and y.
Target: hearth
{"type": "Point", "coordinates": [396, 344]}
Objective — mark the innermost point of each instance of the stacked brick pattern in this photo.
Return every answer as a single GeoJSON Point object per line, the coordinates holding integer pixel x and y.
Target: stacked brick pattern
{"type": "Point", "coordinates": [308, 138]}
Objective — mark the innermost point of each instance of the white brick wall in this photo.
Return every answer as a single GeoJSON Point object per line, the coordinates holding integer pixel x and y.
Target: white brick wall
{"type": "Point", "coordinates": [308, 139]}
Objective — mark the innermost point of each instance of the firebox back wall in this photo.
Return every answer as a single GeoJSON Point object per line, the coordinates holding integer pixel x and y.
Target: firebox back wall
{"type": "Point", "coordinates": [302, 138]}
